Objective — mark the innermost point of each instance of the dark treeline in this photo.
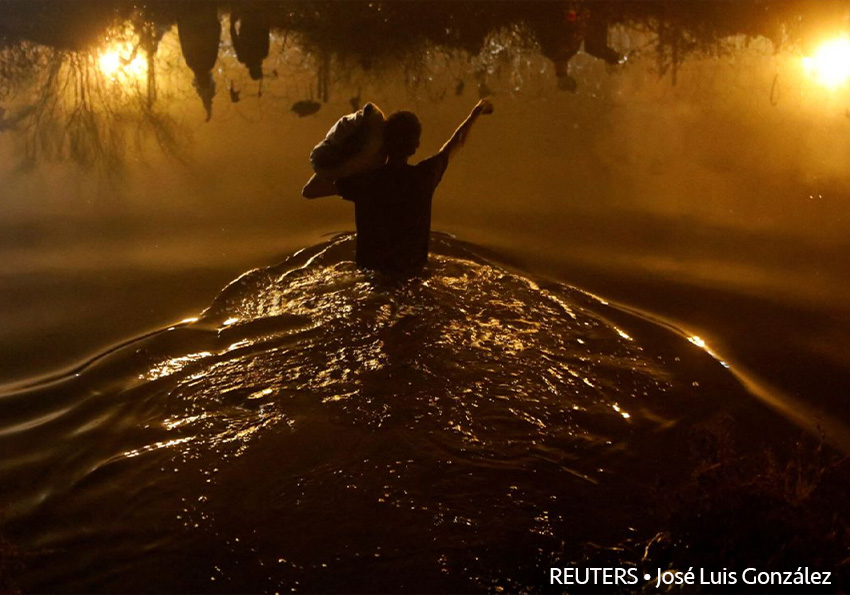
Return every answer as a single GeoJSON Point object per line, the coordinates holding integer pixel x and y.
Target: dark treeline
{"type": "Point", "coordinates": [56, 42]}
{"type": "Point", "coordinates": [372, 31]}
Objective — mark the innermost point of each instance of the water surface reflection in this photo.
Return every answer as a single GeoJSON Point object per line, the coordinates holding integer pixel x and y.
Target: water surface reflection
{"type": "Point", "coordinates": [318, 428]}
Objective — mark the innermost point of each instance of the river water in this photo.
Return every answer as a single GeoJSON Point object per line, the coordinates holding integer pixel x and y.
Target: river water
{"type": "Point", "coordinates": [647, 237]}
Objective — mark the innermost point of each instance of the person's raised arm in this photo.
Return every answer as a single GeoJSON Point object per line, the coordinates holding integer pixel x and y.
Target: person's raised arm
{"type": "Point", "coordinates": [317, 187]}
{"type": "Point", "coordinates": [460, 135]}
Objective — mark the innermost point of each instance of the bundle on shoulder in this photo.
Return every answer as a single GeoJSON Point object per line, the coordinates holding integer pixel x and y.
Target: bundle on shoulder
{"type": "Point", "coordinates": [353, 145]}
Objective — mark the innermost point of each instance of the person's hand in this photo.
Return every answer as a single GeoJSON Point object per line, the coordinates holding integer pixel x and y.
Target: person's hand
{"type": "Point", "coordinates": [484, 107]}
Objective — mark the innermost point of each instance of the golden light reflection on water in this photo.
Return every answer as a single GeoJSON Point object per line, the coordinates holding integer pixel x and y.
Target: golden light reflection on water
{"type": "Point", "coordinates": [616, 407]}
{"type": "Point", "coordinates": [829, 65]}
{"type": "Point", "coordinates": [623, 333]}
{"type": "Point", "coordinates": [156, 446]}
{"type": "Point", "coordinates": [170, 366]}
{"type": "Point", "coordinates": [700, 342]}
{"type": "Point", "coordinates": [443, 398]}
{"type": "Point", "coordinates": [517, 347]}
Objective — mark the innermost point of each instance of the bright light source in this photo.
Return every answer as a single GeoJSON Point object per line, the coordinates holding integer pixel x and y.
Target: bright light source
{"type": "Point", "coordinates": [110, 62]}
{"type": "Point", "coordinates": [830, 64]}
{"type": "Point", "coordinates": [120, 59]}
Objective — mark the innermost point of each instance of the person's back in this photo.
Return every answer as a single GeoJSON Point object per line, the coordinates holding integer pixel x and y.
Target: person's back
{"type": "Point", "coordinates": [392, 212]}
{"type": "Point", "coordinates": [392, 204]}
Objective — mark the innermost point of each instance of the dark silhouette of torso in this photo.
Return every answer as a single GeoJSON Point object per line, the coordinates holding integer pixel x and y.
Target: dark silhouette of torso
{"type": "Point", "coordinates": [392, 212]}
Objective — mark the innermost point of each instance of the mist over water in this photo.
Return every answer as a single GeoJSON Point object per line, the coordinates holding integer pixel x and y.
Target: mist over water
{"type": "Point", "coordinates": [684, 161]}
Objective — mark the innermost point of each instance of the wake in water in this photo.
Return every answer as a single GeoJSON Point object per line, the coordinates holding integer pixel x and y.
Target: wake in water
{"type": "Point", "coordinates": [323, 429]}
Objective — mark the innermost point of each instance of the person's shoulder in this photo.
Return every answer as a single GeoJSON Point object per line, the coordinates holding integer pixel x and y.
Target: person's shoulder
{"type": "Point", "coordinates": [434, 166]}
{"type": "Point", "coordinates": [360, 177]}
{"type": "Point", "coordinates": [439, 159]}
{"type": "Point", "coordinates": [352, 186]}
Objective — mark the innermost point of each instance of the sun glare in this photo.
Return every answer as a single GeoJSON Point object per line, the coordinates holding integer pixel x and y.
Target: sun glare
{"type": "Point", "coordinates": [830, 64]}
{"type": "Point", "coordinates": [119, 60]}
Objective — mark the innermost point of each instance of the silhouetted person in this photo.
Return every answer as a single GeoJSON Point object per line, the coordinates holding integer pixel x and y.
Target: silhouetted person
{"type": "Point", "coordinates": [199, 31]}
{"type": "Point", "coordinates": [249, 32]}
{"type": "Point", "coordinates": [392, 204]}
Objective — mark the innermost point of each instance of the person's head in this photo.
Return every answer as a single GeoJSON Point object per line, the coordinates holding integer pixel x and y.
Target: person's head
{"type": "Point", "coordinates": [401, 135]}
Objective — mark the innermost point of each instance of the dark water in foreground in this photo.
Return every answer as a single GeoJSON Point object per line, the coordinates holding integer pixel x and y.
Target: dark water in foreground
{"type": "Point", "coordinates": [320, 428]}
